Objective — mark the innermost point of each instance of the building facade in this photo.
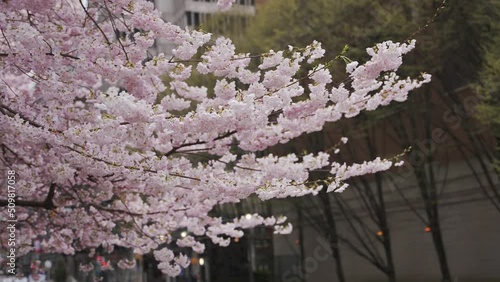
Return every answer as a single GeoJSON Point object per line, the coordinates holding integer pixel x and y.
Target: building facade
{"type": "Point", "coordinates": [194, 13]}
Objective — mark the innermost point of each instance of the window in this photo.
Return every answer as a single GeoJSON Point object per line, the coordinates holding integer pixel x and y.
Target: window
{"type": "Point", "coordinates": [189, 19]}
{"type": "Point", "coordinates": [196, 20]}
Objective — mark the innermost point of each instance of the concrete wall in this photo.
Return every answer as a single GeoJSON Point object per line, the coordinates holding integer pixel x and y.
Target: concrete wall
{"type": "Point", "coordinates": [470, 226]}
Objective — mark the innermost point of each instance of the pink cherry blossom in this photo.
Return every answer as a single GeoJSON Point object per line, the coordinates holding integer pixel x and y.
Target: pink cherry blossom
{"type": "Point", "coordinates": [225, 4]}
{"type": "Point", "coordinates": [106, 152]}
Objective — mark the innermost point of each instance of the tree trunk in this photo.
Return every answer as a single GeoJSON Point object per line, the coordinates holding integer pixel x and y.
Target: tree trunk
{"type": "Point", "coordinates": [390, 270]}
{"type": "Point", "coordinates": [437, 238]}
{"type": "Point", "coordinates": [301, 241]}
{"type": "Point", "coordinates": [332, 234]}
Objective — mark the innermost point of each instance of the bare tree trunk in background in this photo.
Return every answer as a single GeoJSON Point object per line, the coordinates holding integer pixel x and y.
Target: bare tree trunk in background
{"type": "Point", "coordinates": [301, 240]}
{"type": "Point", "coordinates": [381, 211]}
{"type": "Point", "coordinates": [333, 238]}
{"type": "Point", "coordinates": [424, 173]}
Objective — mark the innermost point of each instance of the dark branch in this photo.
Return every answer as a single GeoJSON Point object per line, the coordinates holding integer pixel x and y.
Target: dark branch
{"type": "Point", "coordinates": [174, 150]}
{"type": "Point", "coordinates": [11, 113]}
{"type": "Point", "coordinates": [95, 23]}
{"type": "Point", "coordinates": [47, 204]}
{"type": "Point", "coordinates": [65, 55]}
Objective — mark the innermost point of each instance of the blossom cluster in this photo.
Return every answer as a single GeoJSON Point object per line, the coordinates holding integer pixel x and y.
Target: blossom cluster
{"type": "Point", "coordinates": [107, 151]}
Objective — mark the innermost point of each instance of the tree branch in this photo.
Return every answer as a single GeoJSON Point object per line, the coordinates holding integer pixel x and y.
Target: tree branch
{"type": "Point", "coordinates": [47, 204]}
{"type": "Point", "coordinates": [174, 150]}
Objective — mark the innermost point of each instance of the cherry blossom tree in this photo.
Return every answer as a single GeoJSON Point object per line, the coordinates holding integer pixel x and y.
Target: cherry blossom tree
{"type": "Point", "coordinates": [99, 145]}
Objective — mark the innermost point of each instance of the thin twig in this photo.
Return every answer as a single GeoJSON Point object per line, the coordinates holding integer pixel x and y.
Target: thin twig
{"type": "Point", "coordinates": [95, 23]}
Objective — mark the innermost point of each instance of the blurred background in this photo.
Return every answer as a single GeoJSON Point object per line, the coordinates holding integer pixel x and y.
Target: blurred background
{"type": "Point", "coordinates": [436, 218]}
